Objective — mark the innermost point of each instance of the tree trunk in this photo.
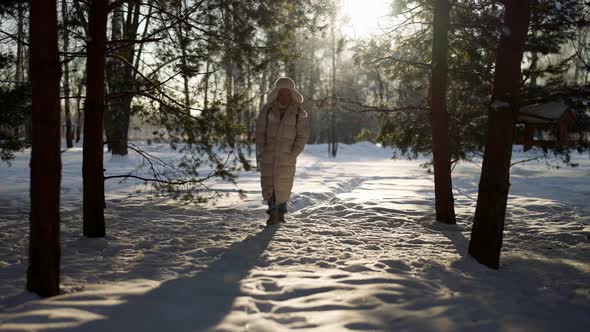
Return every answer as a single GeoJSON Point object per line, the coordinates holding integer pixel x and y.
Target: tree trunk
{"type": "Point", "coordinates": [18, 75]}
{"type": "Point", "coordinates": [229, 62]}
{"type": "Point", "coordinates": [314, 122]}
{"type": "Point", "coordinates": [44, 250]}
{"type": "Point", "coordinates": [250, 112]}
{"type": "Point", "coordinates": [27, 55]}
{"type": "Point", "coordinates": [263, 89]}
{"type": "Point", "coordinates": [443, 189]}
{"type": "Point", "coordinates": [333, 145]}
{"type": "Point", "coordinates": [183, 41]}
{"type": "Point", "coordinates": [66, 78]}
{"type": "Point", "coordinates": [120, 79]}
{"type": "Point", "coordinates": [113, 68]}
{"type": "Point", "coordinates": [488, 225]}
{"type": "Point", "coordinates": [143, 36]}
{"type": "Point", "coordinates": [534, 23]}
{"type": "Point", "coordinates": [206, 87]}
{"type": "Point", "coordinates": [121, 115]}
{"type": "Point", "coordinates": [92, 164]}
{"type": "Point", "coordinates": [79, 112]}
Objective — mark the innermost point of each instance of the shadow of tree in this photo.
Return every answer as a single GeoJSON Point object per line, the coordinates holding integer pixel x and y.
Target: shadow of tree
{"type": "Point", "coordinates": [192, 303]}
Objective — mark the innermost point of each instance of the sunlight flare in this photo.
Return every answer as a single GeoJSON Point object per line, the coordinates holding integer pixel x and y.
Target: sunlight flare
{"type": "Point", "coordinates": [365, 17]}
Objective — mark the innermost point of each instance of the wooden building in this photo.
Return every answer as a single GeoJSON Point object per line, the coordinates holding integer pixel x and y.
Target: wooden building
{"type": "Point", "coordinates": [545, 125]}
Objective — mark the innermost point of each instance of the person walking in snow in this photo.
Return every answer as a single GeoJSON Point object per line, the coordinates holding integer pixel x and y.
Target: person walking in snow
{"type": "Point", "coordinates": [282, 129]}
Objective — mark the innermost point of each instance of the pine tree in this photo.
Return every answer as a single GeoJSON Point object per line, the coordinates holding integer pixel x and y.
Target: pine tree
{"type": "Point", "coordinates": [92, 164]}
{"type": "Point", "coordinates": [44, 250]}
{"type": "Point", "coordinates": [445, 211]}
{"type": "Point", "coordinates": [15, 97]}
{"type": "Point", "coordinates": [66, 75]}
{"type": "Point", "coordinates": [488, 226]}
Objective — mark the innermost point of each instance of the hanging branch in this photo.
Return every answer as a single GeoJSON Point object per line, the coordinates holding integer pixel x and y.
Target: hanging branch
{"type": "Point", "coordinates": [157, 175]}
{"type": "Point", "coordinates": [367, 108]}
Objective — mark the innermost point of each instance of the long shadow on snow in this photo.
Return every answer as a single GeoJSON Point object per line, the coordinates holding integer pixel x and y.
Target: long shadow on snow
{"type": "Point", "coordinates": [189, 304]}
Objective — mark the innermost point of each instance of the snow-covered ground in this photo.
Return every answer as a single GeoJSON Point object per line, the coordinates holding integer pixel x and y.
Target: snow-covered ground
{"type": "Point", "coordinates": [360, 252]}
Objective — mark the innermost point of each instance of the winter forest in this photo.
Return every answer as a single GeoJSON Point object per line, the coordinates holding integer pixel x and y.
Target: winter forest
{"type": "Point", "coordinates": [281, 165]}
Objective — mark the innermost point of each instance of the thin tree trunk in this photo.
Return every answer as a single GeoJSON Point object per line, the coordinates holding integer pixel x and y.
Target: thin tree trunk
{"type": "Point", "coordinates": [79, 113]}
{"type": "Point", "coordinates": [534, 55]}
{"type": "Point", "coordinates": [215, 88]}
{"type": "Point", "coordinates": [533, 69]}
{"type": "Point", "coordinates": [143, 36]}
{"type": "Point", "coordinates": [275, 70]}
{"type": "Point", "coordinates": [310, 90]}
{"type": "Point", "coordinates": [207, 65]}
{"type": "Point", "coordinates": [113, 73]}
{"type": "Point", "coordinates": [44, 250]}
{"type": "Point", "coordinates": [206, 78]}
{"type": "Point", "coordinates": [263, 89]}
{"type": "Point", "coordinates": [92, 164]}
{"type": "Point", "coordinates": [333, 146]}
{"type": "Point", "coordinates": [249, 113]}
{"type": "Point", "coordinates": [27, 55]}
{"type": "Point", "coordinates": [18, 75]}
{"type": "Point", "coordinates": [66, 78]}
{"type": "Point", "coordinates": [183, 42]}
{"type": "Point", "coordinates": [229, 63]}
{"type": "Point", "coordinates": [488, 225]}
{"type": "Point", "coordinates": [443, 189]}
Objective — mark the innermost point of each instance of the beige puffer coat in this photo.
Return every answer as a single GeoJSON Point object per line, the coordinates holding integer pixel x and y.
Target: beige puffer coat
{"type": "Point", "coordinates": [278, 143]}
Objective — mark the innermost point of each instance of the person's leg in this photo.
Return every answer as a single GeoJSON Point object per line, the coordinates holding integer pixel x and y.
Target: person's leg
{"type": "Point", "coordinates": [282, 210]}
{"type": "Point", "coordinates": [282, 207]}
{"type": "Point", "coordinates": [273, 212]}
{"type": "Point", "coordinates": [272, 203]}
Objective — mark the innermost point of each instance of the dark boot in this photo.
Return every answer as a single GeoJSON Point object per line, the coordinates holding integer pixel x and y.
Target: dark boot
{"type": "Point", "coordinates": [273, 217]}
{"type": "Point", "coordinates": [281, 217]}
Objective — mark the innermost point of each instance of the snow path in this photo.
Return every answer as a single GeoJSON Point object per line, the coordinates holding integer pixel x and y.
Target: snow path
{"type": "Point", "coordinates": [360, 252]}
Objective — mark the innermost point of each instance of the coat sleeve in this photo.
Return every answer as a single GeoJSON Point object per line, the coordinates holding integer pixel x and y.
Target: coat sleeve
{"type": "Point", "coordinates": [302, 133]}
{"type": "Point", "coordinates": [261, 129]}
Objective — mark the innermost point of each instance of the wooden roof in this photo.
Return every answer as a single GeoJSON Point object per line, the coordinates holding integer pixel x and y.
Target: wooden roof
{"type": "Point", "coordinates": [547, 113]}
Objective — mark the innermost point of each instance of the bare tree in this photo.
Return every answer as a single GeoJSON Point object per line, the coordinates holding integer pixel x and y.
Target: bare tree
{"type": "Point", "coordinates": [44, 250]}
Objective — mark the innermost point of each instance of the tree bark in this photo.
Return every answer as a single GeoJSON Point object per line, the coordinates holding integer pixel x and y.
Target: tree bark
{"type": "Point", "coordinates": [120, 78]}
{"type": "Point", "coordinates": [18, 75]}
{"type": "Point", "coordinates": [443, 189]}
{"type": "Point", "coordinates": [183, 42]}
{"type": "Point", "coordinates": [27, 55]}
{"type": "Point", "coordinates": [66, 78]}
{"type": "Point", "coordinates": [310, 89]}
{"type": "Point", "coordinates": [143, 36]}
{"type": "Point", "coordinates": [333, 145]}
{"type": "Point", "coordinates": [113, 68]}
{"type": "Point", "coordinates": [249, 115]}
{"type": "Point", "coordinates": [229, 62]}
{"type": "Point", "coordinates": [206, 87]}
{"type": "Point", "coordinates": [79, 113]}
{"type": "Point", "coordinates": [488, 225]}
{"type": "Point", "coordinates": [92, 164]}
{"type": "Point", "coordinates": [44, 250]}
